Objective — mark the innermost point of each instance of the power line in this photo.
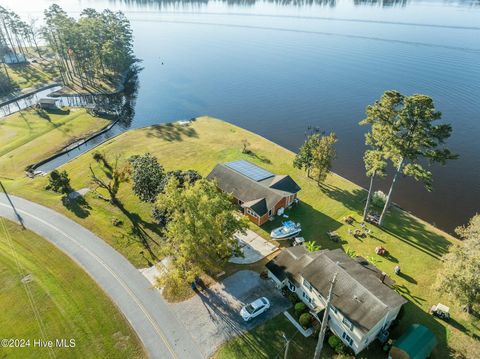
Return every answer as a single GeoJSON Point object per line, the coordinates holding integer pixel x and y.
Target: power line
{"type": "Point", "coordinates": [28, 291]}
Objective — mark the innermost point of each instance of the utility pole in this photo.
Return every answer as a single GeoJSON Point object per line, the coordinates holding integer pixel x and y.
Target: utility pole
{"type": "Point", "coordinates": [323, 328]}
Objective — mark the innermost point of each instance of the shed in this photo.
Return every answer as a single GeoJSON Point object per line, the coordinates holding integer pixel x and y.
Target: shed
{"type": "Point", "coordinates": [417, 342]}
{"type": "Point", "coordinates": [48, 103]}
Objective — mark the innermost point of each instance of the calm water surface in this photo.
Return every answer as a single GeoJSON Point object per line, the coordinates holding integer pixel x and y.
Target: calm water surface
{"type": "Point", "coordinates": [277, 67]}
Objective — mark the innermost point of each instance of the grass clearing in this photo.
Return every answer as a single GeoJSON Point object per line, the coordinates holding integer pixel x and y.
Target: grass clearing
{"type": "Point", "coordinates": [266, 341]}
{"type": "Point", "coordinates": [29, 136]}
{"type": "Point", "coordinates": [32, 75]}
{"type": "Point", "coordinates": [413, 244]}
{"type": "Point", "coordinates": [69, 303]}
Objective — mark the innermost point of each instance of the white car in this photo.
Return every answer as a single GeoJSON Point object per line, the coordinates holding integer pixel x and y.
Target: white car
{"type": "Point", "coordinates": [255, 308]}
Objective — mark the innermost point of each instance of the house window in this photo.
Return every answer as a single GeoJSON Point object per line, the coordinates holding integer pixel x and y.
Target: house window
{"type": "Point", "coordinates": [307, 298]}
{"type": "Point", "coordinates": [347, 338]}
{"type": "Point", "coordinates": [252, 213]}
{"type": "Point", "coordinates": [348, 323]}
{"type": "Point", "coordinates": [307, 285]}
{"type": "Point", "coordinates": [334, 309]}
{"type": "Point", "coordinates": [270, 213]}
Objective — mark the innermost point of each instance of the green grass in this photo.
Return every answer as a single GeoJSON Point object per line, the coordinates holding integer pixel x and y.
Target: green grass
{"type": "Point", "coordinates": [29, 136]}
{"type": "Point", "coordinates": [266, 341]}
{"type": "Point", "coordinates": [413, 244]}
{"type": "Point", "coordinates": [31, 75]}
{"type": "Point", "coordinates": [69, 304]}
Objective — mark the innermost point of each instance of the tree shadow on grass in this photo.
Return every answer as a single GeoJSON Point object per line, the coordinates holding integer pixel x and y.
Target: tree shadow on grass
{"type": "Point", "coordinates": [405, 292]}
{"type": "Point", "coordinates": [407, 278]}
{"type": "Point", "coordinates": [171, 132]}
{"type": "Point", "coordinates": [139, 227]}
{"type": "Point", "coordinates": [410, 230]}
{"type": "Point", "coordinates": [353, 199]}
{"type": "Point", "coordinates": [398, 223]}
{"type": "Point", "coordinates": [78, 206]}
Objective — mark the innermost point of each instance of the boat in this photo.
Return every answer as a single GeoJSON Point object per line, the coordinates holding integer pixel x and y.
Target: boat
{"type": "Point", "coordinates": [287, 230]}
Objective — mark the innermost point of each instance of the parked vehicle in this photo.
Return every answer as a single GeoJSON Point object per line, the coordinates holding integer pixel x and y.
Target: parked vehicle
{"type": "Point", "coordinates": [287, 230]}
{"type": "Point", "coordinates": [440, 310]}
{"type": "Point", "coordinates": [255, 308]}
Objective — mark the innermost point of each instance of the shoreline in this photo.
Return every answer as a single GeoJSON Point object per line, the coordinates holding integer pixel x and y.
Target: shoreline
{"type": "Point", "coordinates": [80, 142]}
{"type": "Point", "coordinates": [74, 145]}
{"type": "Point", "coordinates": [29, 93]}
{"type": "Point", "coordinates": [199, 118]}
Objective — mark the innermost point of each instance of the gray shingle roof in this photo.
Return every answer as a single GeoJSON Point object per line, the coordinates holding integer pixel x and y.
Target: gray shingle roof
{"type": "Point", "coordinates": [271, 189]}
{"type": "Point", "coordinates": [358, 294]}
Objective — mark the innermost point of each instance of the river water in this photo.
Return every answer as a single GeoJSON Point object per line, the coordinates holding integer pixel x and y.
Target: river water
{"type": "Point", "coordinates": [277, 67]}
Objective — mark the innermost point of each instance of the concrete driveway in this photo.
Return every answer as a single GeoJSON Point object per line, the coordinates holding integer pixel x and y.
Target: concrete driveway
{"type": "Point", "coordinates": [253, 247]}
{"type": "Point", "coordinates": [213, 315]}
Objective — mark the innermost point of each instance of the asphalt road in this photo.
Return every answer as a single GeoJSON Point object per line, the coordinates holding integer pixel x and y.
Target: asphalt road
{"type": "Point", "coordinates": [162, 335]}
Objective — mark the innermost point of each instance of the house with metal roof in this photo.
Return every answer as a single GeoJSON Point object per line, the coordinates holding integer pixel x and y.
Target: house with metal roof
{"type": "Point", "coordinates": [257, 191]}
{"type": "Point", "coordinates": [363, 304]}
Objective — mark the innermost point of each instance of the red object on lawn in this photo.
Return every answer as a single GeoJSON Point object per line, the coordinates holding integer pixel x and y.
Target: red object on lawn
{"type": "Point", "coordinates": [381, 251]}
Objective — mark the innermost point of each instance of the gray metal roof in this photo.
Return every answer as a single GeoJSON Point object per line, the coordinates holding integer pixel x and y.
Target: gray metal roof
{"type": "Point", "coordinates": [359, 293]}
{"type": "Point", "coordinates": [246, 189]}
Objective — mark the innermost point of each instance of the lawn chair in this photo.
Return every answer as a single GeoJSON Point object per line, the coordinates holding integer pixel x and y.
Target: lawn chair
{"type": "Point", "coordinates": [333, 236]}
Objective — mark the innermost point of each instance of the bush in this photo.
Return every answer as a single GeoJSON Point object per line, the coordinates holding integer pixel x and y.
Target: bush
{"type": "Point", "coordinates": [300, 308]}
{"type": "Point", "coordinates": [293, 298]}
{"type": "Point", "coordinates": [336, 344]}
{"type": "Point", "coordinates": [378, 199]}
{"type": "Point", "coordinates": [59, 182]}
{"type": "Point", "coordinates": [305, 320]}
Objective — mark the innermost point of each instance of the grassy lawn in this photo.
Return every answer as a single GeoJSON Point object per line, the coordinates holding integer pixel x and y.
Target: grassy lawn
{"type": "Point", "coordinates": [413, 244]}
{"type": "Point", "coordinates": [29, 136]}
{"type": "Point", "coordinates": [32, 75]}
{"type": "Point", "coordinates": [69, 304]}
{"type": "Point", "coordinates": [266, 341]}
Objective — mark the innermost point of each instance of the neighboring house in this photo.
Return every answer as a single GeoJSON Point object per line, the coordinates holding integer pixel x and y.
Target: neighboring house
{"type": "Point", "coordinates": [258, 192]}
{"type": "Point", "coordinates": [363, 305]}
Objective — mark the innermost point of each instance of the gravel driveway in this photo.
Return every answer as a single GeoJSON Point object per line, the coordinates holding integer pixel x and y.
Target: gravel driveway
{"type": "Point", "coordinates": [213, 316]}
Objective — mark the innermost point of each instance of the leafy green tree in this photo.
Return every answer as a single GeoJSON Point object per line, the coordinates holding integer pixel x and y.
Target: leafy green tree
{"type": "Point", "coordinates": [59, 182]}
{"type": "Point", "coordinates": [199, 232]}
{"type": "Point", "coordinates": [94, 48]}
{"type": "Point", "coordinates": [304, 159]}
{"type": "Point", "coordinates": [183, 178]}
{"type": "Point", "coordinates": [316, 154]}
{"type": "Point", "coordinates": [324, 153]}
{"type": "Point", "coordinates": [147, 176]}
{"type": "Point", "coordinates": [460, 276]}
{"type": "Point", "coordinates": [403, 129]}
